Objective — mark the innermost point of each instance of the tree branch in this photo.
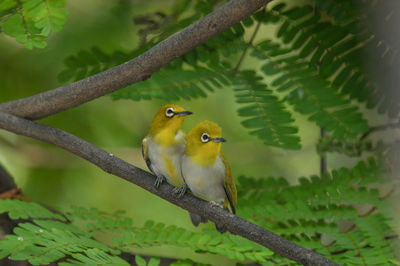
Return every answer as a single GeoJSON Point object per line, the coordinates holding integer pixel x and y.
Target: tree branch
{"type": "Point", "coordinates": [135, 70]}
{"type": "Point", "coordinates": [118, 167]}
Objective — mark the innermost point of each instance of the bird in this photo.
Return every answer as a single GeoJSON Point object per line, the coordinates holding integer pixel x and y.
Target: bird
{"type": "Point", "coordinates": [164, 146]}
{"type": "Point", "coordinates": [206, 171]}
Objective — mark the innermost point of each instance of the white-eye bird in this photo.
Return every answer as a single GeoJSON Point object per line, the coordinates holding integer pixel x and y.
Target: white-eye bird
{"type": "Point", "coordinates": [164, 145]}
{"type": "Point", "coordinates": [205, 169]}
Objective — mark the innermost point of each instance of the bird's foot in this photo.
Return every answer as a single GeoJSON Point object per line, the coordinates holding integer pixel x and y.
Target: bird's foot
{"type": "Point", "coordinates": [180, 191]}
{"type": "Point", "coordinates": [214, 203]}
{"type": "Point", "coordinates": [159, 181]}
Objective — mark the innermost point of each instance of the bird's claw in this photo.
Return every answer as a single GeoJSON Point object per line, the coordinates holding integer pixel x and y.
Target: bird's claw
{"type": "Point", "coordinates": [159, 181]}
{"type": "Point", "coordinates": [214, 203]}
{"type": "Point", "coordinates": [180, 191]}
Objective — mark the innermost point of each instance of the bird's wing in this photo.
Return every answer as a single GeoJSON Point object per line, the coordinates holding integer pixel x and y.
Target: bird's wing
{"type": "Point", "coordinates": [145, 150]}
{"type": "Point", "coordinates": [229, 185]}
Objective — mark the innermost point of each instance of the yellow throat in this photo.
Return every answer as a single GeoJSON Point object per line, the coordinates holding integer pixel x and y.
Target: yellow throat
{"type": "Point", "coordinates": [163, 129]}
{"type": "Point", "coordinates": [199, 152]}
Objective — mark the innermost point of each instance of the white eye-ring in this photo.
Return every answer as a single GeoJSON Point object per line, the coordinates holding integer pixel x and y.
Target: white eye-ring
{"type": "Point", "coordinates": [205, 137]}
{"type": "Point", "coordinates": [169, 112]}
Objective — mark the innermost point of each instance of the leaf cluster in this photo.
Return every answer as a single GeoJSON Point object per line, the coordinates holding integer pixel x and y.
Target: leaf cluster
{"type": "Point", "coordinates": [31, 22]}
{"type": "Point", "coordinates": [313, 65]}
{"type": "Point", "coordinates": [314, 62]}
{"type": "Point", "coordinates": [335, 40]}
{"type": "Point", "coordinates": [264, 113]}
{"type": "Point", "coordinates": [70, 238]}
{"type": "Point", "coordinates": [341, 215]}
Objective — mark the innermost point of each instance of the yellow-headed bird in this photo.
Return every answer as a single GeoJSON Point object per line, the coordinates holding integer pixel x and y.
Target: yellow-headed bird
{"type": "Point", "coordinates": [205, 169]}
{"type": "Point", "coordinates": [164, 146]}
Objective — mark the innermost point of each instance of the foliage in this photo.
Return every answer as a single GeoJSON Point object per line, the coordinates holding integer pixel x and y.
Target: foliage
{"type": "Point", "coordinates": [341, 215]}
{"type": "Point", "coordinates": [45, 238]}
{"type": "Point", "coordinates": [303, 69]}
{"type": "Point", "coordinates": [87, 63]}
{"type": "Point", "coordinates": [174, 84]}
{"type": "Point", "coordinates": [321, 213]}
{"type": "Point", "coordinates": [94, 257]}
{"type": "Point", "coordinates": [314, 61]}
{"type": "Point", "coordinates": [265, 112]}
{"type": "Point", "coordinates": [30, 22]}
{"type": "Point", "coordinates": [313, 65]}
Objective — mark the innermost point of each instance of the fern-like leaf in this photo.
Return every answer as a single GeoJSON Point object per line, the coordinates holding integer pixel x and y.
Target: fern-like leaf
{"type": "Point", "coordinates": [30, 22]}
{"type": "Point", "coordinates": [48, 237]}
{"type": "Point", "coordinates": [43, 242]}
{"type": "Point", "coordinates": [25, 210]}
{"type": "Point", "coordinates": [315, 212]}
{"type": "Point", "coordinates": [174, 84]}
{"type": "Point", "coordinates": [336, 47]}
{"type": "Point", "coordinates": [94, 256]}
{"type": "Point", "coordinates": [157, 234]}
{"type": "Point", "coordinates": [264, 112]}
{"type": "Point", "coordinates": [310, 94]}
{"type": "Point", "coordinates": [86, 63]}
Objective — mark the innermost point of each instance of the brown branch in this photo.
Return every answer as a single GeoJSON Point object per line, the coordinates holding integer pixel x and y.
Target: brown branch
{"type": "Point", "coordinates": [130, 173]}
{"type": "Point", "coordinates": [137, 69]}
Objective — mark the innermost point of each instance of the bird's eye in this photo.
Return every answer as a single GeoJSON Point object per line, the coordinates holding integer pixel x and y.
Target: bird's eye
{"type": "Point", "coordinates": [205, 137]}
{"type": "Point", "coordinates": [169, 112]}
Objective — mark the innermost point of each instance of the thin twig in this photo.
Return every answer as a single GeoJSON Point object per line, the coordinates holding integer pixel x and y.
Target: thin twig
{"type": "Point", "coordinates": [253, 36]}
{"type": "Point", "coordinates": [381, 127]}
{"type": "Point", "coordinates": [323, 163]}
{"type": "Point", "coordinates": [118, 167]}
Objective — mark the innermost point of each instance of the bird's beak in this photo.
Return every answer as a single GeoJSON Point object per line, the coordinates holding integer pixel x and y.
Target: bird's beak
{"type": "Point", "coordinates": [218, 140]}
{"type": "Point", "coordinates": [184, 113]}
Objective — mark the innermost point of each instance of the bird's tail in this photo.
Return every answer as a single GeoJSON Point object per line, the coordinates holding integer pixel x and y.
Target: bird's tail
{"type": "Point", "coordinates": [197, 219]}
{"type": "Point", "coordinates": [220, 228]}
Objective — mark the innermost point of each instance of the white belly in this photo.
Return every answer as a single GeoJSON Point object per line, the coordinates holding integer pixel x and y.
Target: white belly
{"type": "Point", "coordinates": [166, 161]}
{"type": "Point", "coordinates": [205, 182]}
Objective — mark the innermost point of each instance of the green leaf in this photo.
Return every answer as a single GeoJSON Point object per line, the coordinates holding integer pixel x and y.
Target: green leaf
{"type": "Point", "coordinates": [14, 26]}
{"type": "Point", "coordinates": [94, 256]}
{"type": "Point", "coordinates": [264, 112]}
{"type": "Point", "coordinates": [174, 84]}
{"type": "Point", "coordinates": [140, 261]}
{"type": "Point", "coordinates": [46, 242]}
{"type": "Point", "coordinates": [23, 210]}
{"type": "Point", "coordinates": [154, 261]}
{"type": "Point", "coordinates": [7, 4]}
{"type": "Point", "coordinates": [32, 21]}
{"type": "Point", "coordinates": [316, 206]}
{"type": "Point", "coordinates": [312, 94]}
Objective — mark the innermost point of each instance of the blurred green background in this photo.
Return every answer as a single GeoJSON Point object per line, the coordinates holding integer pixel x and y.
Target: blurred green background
{"type": "Point", "coordinates": [54, 177]}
